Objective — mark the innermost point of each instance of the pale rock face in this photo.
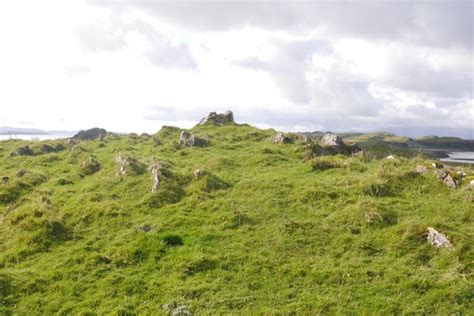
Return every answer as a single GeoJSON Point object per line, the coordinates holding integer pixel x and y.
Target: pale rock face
{"type": "Point", "coordinates": [218, 118]}
{"type": "Point", "coordinates": [331, 140]}
{"type": "Point", "coordinates": [437, 239]}
{"type": "Point", "coordinates": [188, 139]}
{"type": "Point", "coordinates": [281, 138]}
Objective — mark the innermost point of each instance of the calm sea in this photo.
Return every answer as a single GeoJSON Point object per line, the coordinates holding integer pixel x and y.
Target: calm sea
{"type": "Point", "coordinates": [460, 156]}
{"type": "Point", "coordinates": [35, 137]}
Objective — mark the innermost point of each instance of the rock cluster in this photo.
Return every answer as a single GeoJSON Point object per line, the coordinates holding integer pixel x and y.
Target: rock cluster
{"type": "Point", "coordinates": [174, 309]}
{"type": "Point", "coordinates": [129, 166]}
{"type": "Point", "coordinates": [186, 138]}
{"type": "Point", "coordinates": [218, 118]}
{"type": "Point", "coordinates": [90, 166]}
{"type": "Point", "coordinates": [437, 239]}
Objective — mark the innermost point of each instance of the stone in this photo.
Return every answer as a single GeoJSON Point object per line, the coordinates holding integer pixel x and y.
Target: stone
{"type": "Point", "coordinates": [5, 180]}
{"type": "Point", "coordinates": [448, 179]}
{"type": "Point", "coordinates": [198, 173]}
{"type": "Point", "coordinates": [218, 118]}
{"type": "Point", "coordinates": [331, 140]}
{"type": "Point", "coordinates": [390, 157]}
{"type": "Point", "coordinates": [420, 169]}
{"type": "Point", "coordinates": [281, 138]}
{"type": "Point", "coordinates": [174, 309]}
{"type": "Point", "coordinates": [91, 134]}
{"type": "Point", "coordinates": [437, 165]}
{"type": "Point", "coordinates": [155, 170]}
{"type": "Point", "coordinates": [186, 138]}
{"type": "Point", "coordinates": [437, 239]}
{"type": "Point", "coordinates": [129, 166]}
{"type": "Point", "coordinates": [450, 182]}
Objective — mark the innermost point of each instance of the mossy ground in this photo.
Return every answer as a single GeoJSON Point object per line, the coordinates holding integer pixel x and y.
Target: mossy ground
{"type": "Point", "coordinates": [261, 232]}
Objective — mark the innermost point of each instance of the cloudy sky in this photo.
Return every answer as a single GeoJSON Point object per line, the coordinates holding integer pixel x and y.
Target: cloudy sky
{"type": "Point", "coordinates": [134, 65]}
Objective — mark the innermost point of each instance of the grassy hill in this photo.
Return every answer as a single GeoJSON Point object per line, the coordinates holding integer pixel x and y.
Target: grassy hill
{"type": "Point", "coordinates": [259, 231]}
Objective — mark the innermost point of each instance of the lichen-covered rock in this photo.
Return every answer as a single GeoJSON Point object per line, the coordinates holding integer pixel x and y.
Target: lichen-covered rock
{"type": "Point", "coordinates": [91, 134]}
{"type": "Point", "coordinates": [186, 138]}
{"type": "Point", "coordinates": [218, 118]}
{"type": "Point", "coordinates": [437, 239]}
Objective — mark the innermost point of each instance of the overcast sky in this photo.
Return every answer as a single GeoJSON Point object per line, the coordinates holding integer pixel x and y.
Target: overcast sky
{"type": "Point", "coordinates": [132, 65]}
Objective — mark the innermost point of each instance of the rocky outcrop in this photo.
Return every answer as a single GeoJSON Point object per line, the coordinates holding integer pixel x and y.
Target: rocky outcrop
{"type": "Point", "coordinates": [218, 118]}
{"type": "Point", "coordinates": [333, 144]}
{"type": "Point", "coordinates": [186, 138]}
{"type": "Point", "coordinates": [437, 239]}
{"type": "Point", "coordinates": [91, 134]}
{"type": "Point", "coordinates": [281, 138]}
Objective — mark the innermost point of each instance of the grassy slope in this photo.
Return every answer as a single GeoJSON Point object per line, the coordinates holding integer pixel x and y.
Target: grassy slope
{"type": "Point", "coordinates": [264, 233]}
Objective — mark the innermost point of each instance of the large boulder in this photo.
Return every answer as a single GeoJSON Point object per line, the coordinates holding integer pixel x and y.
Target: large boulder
{"type": "Point", "coordinates": [449, 178]}
{"type": "Point", "coordinates": [218, 118]}
{"type": "Point", "coordinates": [186, 138]}
{"type": "Point", "coordinates": [331, 140]}
{"type": "Point", "coordinates": [333, 144]}
{"type": "Point", "coordinates": [91, 134]}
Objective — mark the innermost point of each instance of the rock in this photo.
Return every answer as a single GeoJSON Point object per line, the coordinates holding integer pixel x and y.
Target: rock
{"type": "Point", "coordinates": [470, 186]}
{"type": "Point", "coordinates": [331, 140]}
{"type": "Point", "coordinates": [420, 169]}
{"type": "Point", "coordinates": [145, 228]}
{"type": "Point", "coordinates": [188, 139]}
{"type": "Point", "coordinates": [450, 182]}
{"type": "Point", "coordinates": [447, 178]}
{"type": "Point", "coordinates": [390, 157]}
{"type": "Point", "coordinates": [437, 239]}
{"type": "Point", "coordinates": [5, 180]}
{"type": "Point", "coordinates": [437, 165]}
{"type": "Point", "coordinates": [174, 309]}
{"type": "Point", "coordinates": [91, 134]}
{"type": "Point", "coordinates": [23, 151]}
{"type": "Point", "coordinates": [90, 166]}
{"type": "Point", "coordinates": [198, 173]}
{"type": "Point", "coordinates": [155, 170]}
{"type": "Point", "coordinates": [281, 138]}
{"type": "Point", "coordinates": [129, 166]}
{"type": "Point", "coordinates": [333, 144]}
{"type": "Point", "coordinates": [218, 118]}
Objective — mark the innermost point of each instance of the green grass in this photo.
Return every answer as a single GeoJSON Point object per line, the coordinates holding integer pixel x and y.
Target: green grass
{"type": "Point", "coordinates": [260, 232]}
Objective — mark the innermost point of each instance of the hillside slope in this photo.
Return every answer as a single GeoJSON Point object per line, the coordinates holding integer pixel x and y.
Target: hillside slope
{"type": "Point", "coordinates": [258, 230]}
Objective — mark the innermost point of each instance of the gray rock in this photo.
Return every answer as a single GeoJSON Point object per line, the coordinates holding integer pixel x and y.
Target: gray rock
{"type": "Point", "coordinates": [437, 239]}
{"type": "Point", "coordinates": [331, 140]}
{"type": "Point", "coordinates": [281, 138]}
{"type": "Point", "coordinates": [174, 309]}
{"type": "Point", "coordinates": [448, 179]}
{"type": "Point", "coordinates": [218, 118]}
{"type": "Point", "coordinates": [188, 139]}
{"type": "Point", "coordinates": [198, 173]}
